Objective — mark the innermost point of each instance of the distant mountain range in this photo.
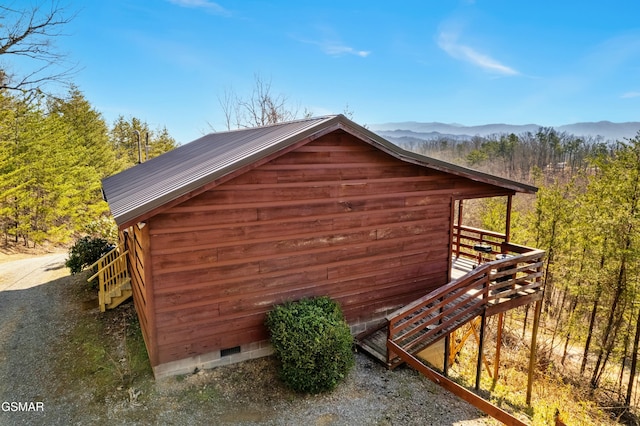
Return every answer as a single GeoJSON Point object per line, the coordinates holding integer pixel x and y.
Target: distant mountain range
{"type": "Point", "coordinates": [606, 130]}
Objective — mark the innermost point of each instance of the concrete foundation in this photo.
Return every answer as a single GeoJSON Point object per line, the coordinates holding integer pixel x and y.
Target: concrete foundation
{"type": "Point", "coordinates": [246, 352]}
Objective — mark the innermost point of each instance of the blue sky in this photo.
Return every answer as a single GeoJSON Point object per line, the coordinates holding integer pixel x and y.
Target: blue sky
{"type": "Point", "coordinates": [454, 61]}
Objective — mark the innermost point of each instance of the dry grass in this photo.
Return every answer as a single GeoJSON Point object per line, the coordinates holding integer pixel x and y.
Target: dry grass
{"type": "Point", "coordinates": [556, 388]}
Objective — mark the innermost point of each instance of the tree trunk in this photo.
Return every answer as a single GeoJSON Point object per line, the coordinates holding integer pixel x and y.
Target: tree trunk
{"type": "Point", "coordinates": [608, 350]}
{"type": "Point", "coordinates": [594, 311]}
{"type": "Point", "coordinates": [524, 323]}
{"type": "Point", "coordinates": [558, 317]}
{"type": "Point", "coordinates": [592, 321]}
{"type": "Point", "coordinates": [607, 338]}
{"type": "Point", "coordinates": [634, 362]}
{"type": "Point", "coordinates": [625, 355]}
{"type": "Point", "coordinates": [574, 304]}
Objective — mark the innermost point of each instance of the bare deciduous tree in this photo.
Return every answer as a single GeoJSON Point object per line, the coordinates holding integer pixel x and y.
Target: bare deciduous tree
{"type": "Point", "coordinates": [28, 33]}
{"type": "Point", "coordinates": [260, 108]}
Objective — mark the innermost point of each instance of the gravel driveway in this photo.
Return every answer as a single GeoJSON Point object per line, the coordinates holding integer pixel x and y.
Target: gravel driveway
{"type": "Point", "coordinates": [36, 314]}
{"type": "Point", "coordinates": [31, 318]}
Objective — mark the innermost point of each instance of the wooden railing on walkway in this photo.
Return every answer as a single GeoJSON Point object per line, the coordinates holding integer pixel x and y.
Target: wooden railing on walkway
{"type": "Point", "coordinates": [490, 288]}
{"type": "Point", "coordinates": [114, 283]}
{"type": "Point", "coordinates": [466, 237]}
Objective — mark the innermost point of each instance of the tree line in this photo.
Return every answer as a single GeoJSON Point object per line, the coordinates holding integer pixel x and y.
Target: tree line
{"type": "Point", "coordinates": [586, 216]}
{"type": "Point", "coordinates": [589, 224]}
{"type": "Point", "coordinates": [54, 151]}
{"type": "Point", "coordinates": [515, 156]}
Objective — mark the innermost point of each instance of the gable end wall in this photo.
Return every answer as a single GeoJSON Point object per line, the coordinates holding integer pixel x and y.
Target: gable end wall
{"type": "Point", "coordinates": [335, 217]}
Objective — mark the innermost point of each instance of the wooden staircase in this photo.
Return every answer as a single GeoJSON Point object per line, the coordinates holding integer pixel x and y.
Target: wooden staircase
{"type": "Point", "coordinates": [114, 282]}
{"type": "Point", "coordinates": [489, 289]}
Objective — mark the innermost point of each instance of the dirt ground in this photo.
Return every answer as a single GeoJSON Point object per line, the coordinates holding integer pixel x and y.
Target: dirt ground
{"type": "Point", "coordinates": [63, 362]}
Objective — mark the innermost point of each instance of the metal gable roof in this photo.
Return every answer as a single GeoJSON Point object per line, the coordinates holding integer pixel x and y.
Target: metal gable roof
{"type": "Point", "coordinates": [147, 186]}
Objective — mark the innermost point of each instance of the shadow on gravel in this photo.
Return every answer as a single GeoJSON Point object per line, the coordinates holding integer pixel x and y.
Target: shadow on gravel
{"type": "Point", "coordinates": [32, 321]}
{"type": "Point", "coordinates": [55, 267]}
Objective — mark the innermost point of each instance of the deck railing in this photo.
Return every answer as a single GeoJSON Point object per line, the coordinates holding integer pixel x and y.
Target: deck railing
{"type": "Point", "coordinates": [490, 288]}
{"type": "Point", "coordinates": [112, 274]}
{"type": "Point", "coordinates": [466, 237]}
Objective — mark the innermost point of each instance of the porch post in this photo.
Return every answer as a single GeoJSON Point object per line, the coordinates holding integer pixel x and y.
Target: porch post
{"type": "Point", "coordinates": [507, 231]}
{"type": "Point", "coordinates": [480, 350]}
{"type": "Point", "coordinates": [498, 347]}
{"type": "Point", "coordinates": [459, 225]}
{"type": "Point", "coordinates": [445, 367]}
{"type": "Point", "coordinates": [532, 356]}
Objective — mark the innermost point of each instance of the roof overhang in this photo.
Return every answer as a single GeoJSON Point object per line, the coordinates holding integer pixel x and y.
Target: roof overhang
{"type": "Point", "coordinates": [146, 189]}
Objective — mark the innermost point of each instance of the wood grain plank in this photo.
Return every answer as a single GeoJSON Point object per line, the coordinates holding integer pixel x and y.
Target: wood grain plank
{"type": "Point", "coordinates": [190, 236]}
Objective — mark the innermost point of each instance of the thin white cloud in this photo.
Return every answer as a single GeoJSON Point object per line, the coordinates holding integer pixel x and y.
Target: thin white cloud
{"type": "Point", "coordinates": [630, 95]}
{"type": "Point", "coordinates": [338, 49]}
{"type": "Point", "coordinates": [330, 42]}
{"type": "Point", "coordinates": [448, 41]}
{"type": "Point", "coordinates": [334, 48]}
{"type": "Point", "coordinates": [209, 6]}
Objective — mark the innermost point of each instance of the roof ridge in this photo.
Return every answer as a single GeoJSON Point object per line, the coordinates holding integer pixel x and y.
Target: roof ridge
{"type": "Point", "coordinates": [280, 123]}
{"type": "Point", "coordinates": [184, 171]}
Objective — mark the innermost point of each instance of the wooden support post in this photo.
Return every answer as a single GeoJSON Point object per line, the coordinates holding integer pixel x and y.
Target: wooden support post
{"type": "Point", "coordinates": [507, 226]}
{"type": "Point", "coordinates": [498, 347]}
{"type": "Point", "coordinates": [480, 351]}
{"type": "Point", "coordinates": [476, 334]}
{"type": "Point", "coordinates": [390, 355]}
{"type": "Point", "coordinates": [452, 232]}
{"type": "Point", "coordinates": [445, 367]}
{"type": "Point", "coordinates": [459, 231]}
{"type": "Point", "coordinates": [532, 356]}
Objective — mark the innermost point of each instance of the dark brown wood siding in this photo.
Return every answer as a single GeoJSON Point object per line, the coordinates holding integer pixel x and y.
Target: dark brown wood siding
{"type": "Point", "coordinates": [335, 217]}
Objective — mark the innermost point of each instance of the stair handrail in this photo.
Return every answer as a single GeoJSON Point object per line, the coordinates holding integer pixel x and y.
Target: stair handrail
{"type": "Point", "coordinates": [112, 272]}
{"type": "Point", "coordinates": [428, 315]}
{"type": "Point", "coordinates": [105, 259]}
{"type": "Point", "coordinates": [469, 295]}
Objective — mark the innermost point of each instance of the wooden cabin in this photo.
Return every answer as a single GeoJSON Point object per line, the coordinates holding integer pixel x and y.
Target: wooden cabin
{"type": "Point", "coordinates": [219, 230]}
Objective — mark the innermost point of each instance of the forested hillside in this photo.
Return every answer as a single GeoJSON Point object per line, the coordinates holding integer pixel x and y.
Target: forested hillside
{"type": "Point", "coordinates": [53, 154]}
{"type": "Point", "coordinates": [586, 216]}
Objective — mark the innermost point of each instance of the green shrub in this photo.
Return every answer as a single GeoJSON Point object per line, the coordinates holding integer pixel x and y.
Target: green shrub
{"type": "Point", "coordinates": [313, 343]}
{"type": "Point", "coordinates": [85, 252]}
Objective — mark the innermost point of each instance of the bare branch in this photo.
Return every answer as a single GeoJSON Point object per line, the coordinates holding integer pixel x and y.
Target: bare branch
{"type": "Point", "coordinates": [227, 104]}
{"type": "Point", "coordinates": [261, 108]}
{"type": "Point", "coordinates": [29, 33]}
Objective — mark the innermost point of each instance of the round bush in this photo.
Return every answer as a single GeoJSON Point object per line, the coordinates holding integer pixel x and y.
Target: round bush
{"type": "Point", "coordinates": [85, 252]}
{"type": "Point", "coordinates": [313, 343]}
